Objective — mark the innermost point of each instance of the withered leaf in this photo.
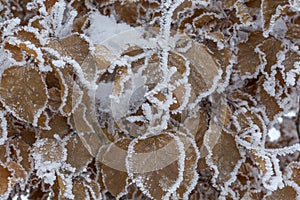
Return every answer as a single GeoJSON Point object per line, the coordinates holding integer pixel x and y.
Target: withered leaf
{"type": "Point", "coordinates": [77, 154]}
{"type": "Point", "coordinates": [73, 46]}
{"type": "Point", "coordinates": [243, 12]}
{"type": "Point", "coordinates": [293, 172]}
{"type": "Point", "coordinates": [248, 59]}
{"type": "Point", "coordinates": [66, 81]}
{"type": "Point", "coordinates": [58, 125]}
{"type": "Point", "coordinates": [271, 47]}
{"type": "Point", "coordinates": [21, 152]}
{"type": "Point", "coordinates": [293, 32]}
{"type": "Point", "coordinates": [18, 173]}
{"type": "Point", "coordinates": [111, 159]}
{"type": "Point", "coordinates": [287, 192]}
{"type": "Point", "coordinates": [27, 36]}
{"type": "Point", "coordinates": [136, 13]}
{"type": "Point", "coordinates": [269, 10]}
{"type": "Point", "coordinates": [49, 150]}
{"type": "Point", "coordinates": [154, 165]}
{"type": "Point", "coordinates": [4, 181]}
{"type": "Point", "coordinates": [24, 84]}
{"type": "Point", "coordinates": [16, 52]}
{"type": "Point", "coordinates": [225, 156]}
{"type": "Point", "coordinates": [270, 103]}
{"type": "Point", "coordinates": [204, 69]}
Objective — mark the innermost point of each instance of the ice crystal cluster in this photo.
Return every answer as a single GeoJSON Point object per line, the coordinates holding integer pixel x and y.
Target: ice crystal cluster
{"type": "Point", "coordinates": [156, 99]}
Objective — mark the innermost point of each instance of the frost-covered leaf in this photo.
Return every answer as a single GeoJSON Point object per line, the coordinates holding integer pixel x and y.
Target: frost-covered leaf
{"type": "Point", "coordinates": [165, 171]}
{"type": "Point", "coordinates": [112, 160]}
{"type": "Point", "coordinates": [293, 32]}
{"type": "Point", "coordinates": [293, 172]}
{"type": "Point", "coordinates": [4, 183]}
{"type": "Point", "coordinates": [54, 90]}
{"type": "Point", "coordinates": [271, 11]}
{"type": "Point", "coordinates": [133, 13]}
{"type": "Point", "coordinates": [3, 128]}
{"type": "Point", "coordinates": [204, 70]}
{"type": "Point", "coordinates": [248, 58]}
{"type": "Point", "coordinates": [58, 126]}
{"type": "Point", "coordinates": [74, 46]}
{"type": "Point", "coordinates": [225, 155]}
{"type": "Point", "coordinates": [23, 84]}
{"type": "Point", "coordinates": [48, 157]}
{"type": "Point", "coordinates": [66, 81]}
{"type": "Point", "coordinates": [15, 51]}
{"type": "Point", "coordinates": [287, 192]}
{"type": "Point", "coordinates": [77, 155]}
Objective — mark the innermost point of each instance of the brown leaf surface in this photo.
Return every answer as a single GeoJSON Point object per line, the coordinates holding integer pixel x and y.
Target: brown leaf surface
{"type": "Point", "coordinates": [77, 154]}
{"type": "Point", "coordinates": [136, 13]}
{"type": "Point", "coordinates": [225, 156]}
{"type": "Point", "coordinates": [58, 125]}
{"type": "Point", "coordinates": [73, 46]}
{"type": "Point", "coordinates": [66, 82]}
{"type": "Point", "coordinates": [155, 165]}
{"type": "Point", "coordinates": [293, 32]}
{"type": "Point", "coordinates": [19, 153]}
{"type": "Point", "coordinates": [204, 68]}
{"type": "Point", "coordinates": [23, 84]}
{"type": "Point", "coordinates": [271, 47]}
{"type": "Point", "coordinates": [50, 151]}
{"type": "Point", "coordinates": [16, 52]}
{"type": "Point", "coordinates": [283, 194]}
{"type": "Point", "coordinates": [294, 172]}
{"type": "Point", "coordinates": [4, 182]}
{"type": "Point", "coordinates": [248, 59]}
{"type": "Point", "coordinates": [111, 159]}
{"type": "Point", "coordinates": [269, 9]}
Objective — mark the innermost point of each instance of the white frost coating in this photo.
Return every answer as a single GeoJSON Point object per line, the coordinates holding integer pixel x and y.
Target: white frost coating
{"type": "Point", "coordinates": [67, 181]}
{"type": "Point", "coordinates": [61, 24]}
{"type": "Point", "coordinates": [129, 167]}
{"type": "Point", "coordinates": [138, 179]}
{"type": "Point", "coordinates": [3, 126]}
{"type": "Point", "coordinates": [291, 75]}
{"type": "Point", "coordinates": [103, 27]}
{"type": "Point", "coordinates": [273, 19]}
{"type": "Point", "coordinates": [295, 5]}
{"type": "Point", "coordinates": [9, 25]}
{"type": "Point", "coordinates": [274, 134]}
{"type": "Point", "coordinates": [44, 169]}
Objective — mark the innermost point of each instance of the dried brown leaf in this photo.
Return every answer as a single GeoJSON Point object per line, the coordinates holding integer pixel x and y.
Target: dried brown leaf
{"type": "Point", "coordinates": [293, 32]}
{"type": "Point", "coordinates": [155, 165]}
{"type": "Point", "coordinates": [50, 151]}
{"type": "Point", "coordinates": [16, 52]}
{"type": "Point", "coordinates": [225, 156]}
{"type": "Point", "coordinates": [271, 47]}
{"type": "Point", "coordinates": [23, 84]}
{"type": "Point", "coordinates": [136, 13]}
{"type": "Point", "coordinates": [4, 181]}
{"type": "Point", "coordinates": [204, 68]}
{"type": "Point", "coordinates": [77, 154]}
{"type": "Point", "coordinates": [285, 193]}
{"type": "Point", "coordinates": [269, 10]}
{"type": "Point", "coordinates": [58, 125]}
{"type": "Point", "coordinates": [66, 82]}
{"type": "Point", "coordinates": [248, 59]}
{"type": "Point", "coordinates": [111, 159]}
{"type": "Point", "coordinates": [74, 46]}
